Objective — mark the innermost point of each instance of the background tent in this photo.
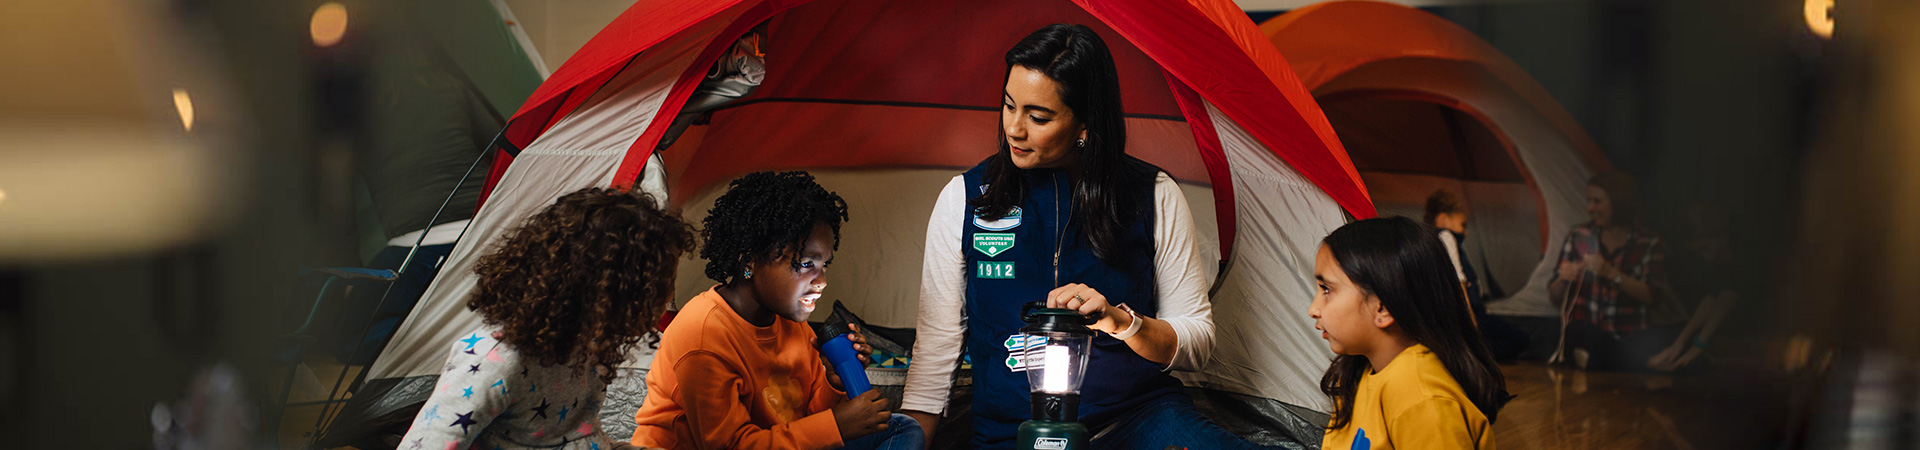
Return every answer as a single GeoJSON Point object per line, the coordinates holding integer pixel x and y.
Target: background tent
{"type": "Point", "coordinates": [1423, 104]}
{"type": "Point", "coordinates": [885, 100]}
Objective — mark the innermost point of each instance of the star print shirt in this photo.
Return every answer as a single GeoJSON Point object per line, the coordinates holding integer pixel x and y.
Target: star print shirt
{"type": "Point", "coordinates": [487, 398]}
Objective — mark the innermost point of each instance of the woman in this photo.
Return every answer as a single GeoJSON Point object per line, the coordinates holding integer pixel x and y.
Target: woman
{"type": "Point", "coordinates": [1060, 213]}
{"type": "Point", "coordinates": [1612, 274]}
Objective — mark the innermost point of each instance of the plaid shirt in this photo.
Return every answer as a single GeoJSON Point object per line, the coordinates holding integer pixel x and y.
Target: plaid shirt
{"type": "Point", "coordinates": [1599, 300]}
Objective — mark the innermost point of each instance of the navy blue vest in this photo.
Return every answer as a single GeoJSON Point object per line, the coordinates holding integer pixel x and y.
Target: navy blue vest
{"type": "Point", "coordinates": [1011, 262]}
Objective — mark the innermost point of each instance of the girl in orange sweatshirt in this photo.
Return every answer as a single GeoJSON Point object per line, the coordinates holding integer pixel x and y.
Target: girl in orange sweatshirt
{"type": "Point", "coordinates": [737, 368]}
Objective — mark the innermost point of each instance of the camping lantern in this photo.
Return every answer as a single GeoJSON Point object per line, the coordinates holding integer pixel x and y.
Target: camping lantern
{"type": "Point", "coordinates": [1057, 342]}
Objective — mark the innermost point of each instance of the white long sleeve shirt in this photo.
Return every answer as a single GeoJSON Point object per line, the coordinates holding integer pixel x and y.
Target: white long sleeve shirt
{"type": "Point", "coordinates": [1180, 287]}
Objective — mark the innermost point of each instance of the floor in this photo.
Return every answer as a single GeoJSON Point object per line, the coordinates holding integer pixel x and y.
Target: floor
{"type": "Point", "coordinates": [1554, 408]}
{"type": "Point", "coordinates": [1561, 408]}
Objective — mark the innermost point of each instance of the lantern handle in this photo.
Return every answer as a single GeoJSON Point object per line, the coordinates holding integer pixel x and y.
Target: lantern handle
{"type": "Point", "coordinates": [1026, 311]}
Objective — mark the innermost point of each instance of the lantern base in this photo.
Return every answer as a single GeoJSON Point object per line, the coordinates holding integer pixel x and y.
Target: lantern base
{"type": "Point", "coordinates": [1051, 435]}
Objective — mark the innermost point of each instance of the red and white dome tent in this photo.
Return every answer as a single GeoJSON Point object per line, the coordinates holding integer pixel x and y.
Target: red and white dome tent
{"type": "Point", "coordinates": [885, 100]}
{"type": "Point", "coordinates": [1422, 104]}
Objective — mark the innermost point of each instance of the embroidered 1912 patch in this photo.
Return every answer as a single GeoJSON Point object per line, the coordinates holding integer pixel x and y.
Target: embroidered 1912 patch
{"type": "Point", "coordinates": [993, 270]}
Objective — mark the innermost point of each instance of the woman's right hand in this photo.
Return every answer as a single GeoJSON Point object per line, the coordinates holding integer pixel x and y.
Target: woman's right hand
{"type": "Point", "coordinates": [862, 415]}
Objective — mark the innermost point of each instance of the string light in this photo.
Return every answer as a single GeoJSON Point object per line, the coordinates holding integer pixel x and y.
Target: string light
{"type": "Point", "coordinates": [1820, 18]}
{"type": "Point", "coordinates": [184, 104]}
{"type": "Point", "coordinates": [329, 24]}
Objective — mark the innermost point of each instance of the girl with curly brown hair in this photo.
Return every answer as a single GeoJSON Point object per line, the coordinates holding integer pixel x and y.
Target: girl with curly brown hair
{"type": "Point", "coordinates": [563, 298]}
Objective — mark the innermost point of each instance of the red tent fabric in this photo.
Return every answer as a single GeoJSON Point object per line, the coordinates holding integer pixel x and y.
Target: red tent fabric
{"type": "Point", "coordinates": [1193, 42]}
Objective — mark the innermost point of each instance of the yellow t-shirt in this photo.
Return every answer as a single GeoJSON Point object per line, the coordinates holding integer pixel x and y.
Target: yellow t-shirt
{"type": "Point", "coordinates": [1413, 403]}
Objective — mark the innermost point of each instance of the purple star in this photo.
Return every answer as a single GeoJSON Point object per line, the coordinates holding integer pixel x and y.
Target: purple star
{"type": "Point", "coordinates": [465, 420]}
{"type": "Point", "coordinates": [473, 368]}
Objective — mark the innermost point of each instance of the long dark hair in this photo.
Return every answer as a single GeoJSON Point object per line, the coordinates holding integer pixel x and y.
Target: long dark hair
{"type": "Point", "coordinates": [1075, 57]}
{"type": "Point", "coordinates": [1403, 264]}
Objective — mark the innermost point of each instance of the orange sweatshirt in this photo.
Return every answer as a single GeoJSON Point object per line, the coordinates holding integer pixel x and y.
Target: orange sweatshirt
{"type": "Point", "coordinates": [719, 382]}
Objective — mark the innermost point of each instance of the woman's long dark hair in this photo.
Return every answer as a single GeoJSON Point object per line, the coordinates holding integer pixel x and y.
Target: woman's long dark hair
{"type": "Point", "coordinates": [1402, 263]}
{"type": "Point", "coordinates": [1076, 58]}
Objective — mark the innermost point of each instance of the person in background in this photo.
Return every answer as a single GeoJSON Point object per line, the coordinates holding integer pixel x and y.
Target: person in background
{"type": "Point", "coordinates": [1612, 273]}
{"type": "Point", "coordinates": [1708, 263]}
{"type": "Point", "coordinates": [1447, 213]}
{"type": "Point", "coordinates": [563, 299]}
{"type": "Point", "coordinates": [1410, 372]}
{"type": "Point", "coordinates": [738, 367]}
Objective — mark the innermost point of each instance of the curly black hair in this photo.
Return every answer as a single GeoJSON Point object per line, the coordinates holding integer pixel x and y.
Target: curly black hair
{"type": "Point", "coordinates": [764, 215]}
{"type": "Point", "coordinates": [582, 281]}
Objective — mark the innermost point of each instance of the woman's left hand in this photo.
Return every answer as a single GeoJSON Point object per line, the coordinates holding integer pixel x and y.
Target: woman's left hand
{"type": "Point", "coordinates": [1089, 302]}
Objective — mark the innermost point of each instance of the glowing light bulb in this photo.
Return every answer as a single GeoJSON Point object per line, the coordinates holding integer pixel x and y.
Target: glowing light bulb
{"type": "Point", "coordinates": [329, 24]}
{"type": "Point", "coordinates": [1820, 18]}
{"type": "Point", "coordinates": [1057, 366]}
{"type": "Point", "coordinates": [184, 104]}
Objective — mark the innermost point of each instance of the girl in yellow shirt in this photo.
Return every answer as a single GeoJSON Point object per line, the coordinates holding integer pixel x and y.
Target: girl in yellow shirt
{"type": "Point", "coordinates": [1411, 371]}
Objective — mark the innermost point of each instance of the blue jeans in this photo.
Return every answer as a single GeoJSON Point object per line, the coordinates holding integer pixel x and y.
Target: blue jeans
{"type": "Point", "coordinates": [1169, 423]}
{"type": "Point", "coordinates": [902, 433]}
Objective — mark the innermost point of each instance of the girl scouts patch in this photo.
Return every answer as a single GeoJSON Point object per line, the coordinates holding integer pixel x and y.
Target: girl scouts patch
{"type": "Point", "coordinates": [1005, 223]}
{"type": "Point", "coordinates": [992, 244]}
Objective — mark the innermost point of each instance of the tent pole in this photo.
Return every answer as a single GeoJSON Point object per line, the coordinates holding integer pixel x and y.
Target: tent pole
{"type": "Point", "coordinates": [443, 203]}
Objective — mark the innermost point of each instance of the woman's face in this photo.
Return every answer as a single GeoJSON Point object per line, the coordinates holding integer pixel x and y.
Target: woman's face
{"type": "Point", "coordinates": [1599, 206]}
{"type": "Point", "coordinates": [1342, 312]}
{"type": "Point", "coordinates": [1039, 128]}
{"type": "Point", "coordinates": [790, 287]}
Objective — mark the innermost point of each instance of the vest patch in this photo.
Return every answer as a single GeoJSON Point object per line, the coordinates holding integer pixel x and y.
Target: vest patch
{"type": "Point", "coordinates": [1005, 223]}
{"type": "Point", "coordinates": [993, 270]}
{"type": "Point", "coordinates": [992, 244]}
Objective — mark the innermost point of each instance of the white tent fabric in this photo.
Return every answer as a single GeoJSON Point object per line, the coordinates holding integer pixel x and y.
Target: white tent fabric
{"type": "Point", "coordinates": [578, 152]}
{"type": "Point", "coordinates": [1264, 342]}
{"type": "Point", "coordinates": [1550, 158]}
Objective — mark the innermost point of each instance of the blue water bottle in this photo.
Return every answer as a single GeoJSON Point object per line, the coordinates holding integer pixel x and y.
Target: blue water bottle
{"type": "Point", "coordinates": [841, 355]}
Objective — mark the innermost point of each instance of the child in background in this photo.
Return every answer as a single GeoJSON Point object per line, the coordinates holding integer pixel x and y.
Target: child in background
{"type": "Point", "coordinates": [1449, 215]}
{"type": "Point", "coordinates": [563, 299]}
{"type": "Point", "coordinates": [738, 367]}
{"type": "Point", "coordinates": [1411, 372]}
